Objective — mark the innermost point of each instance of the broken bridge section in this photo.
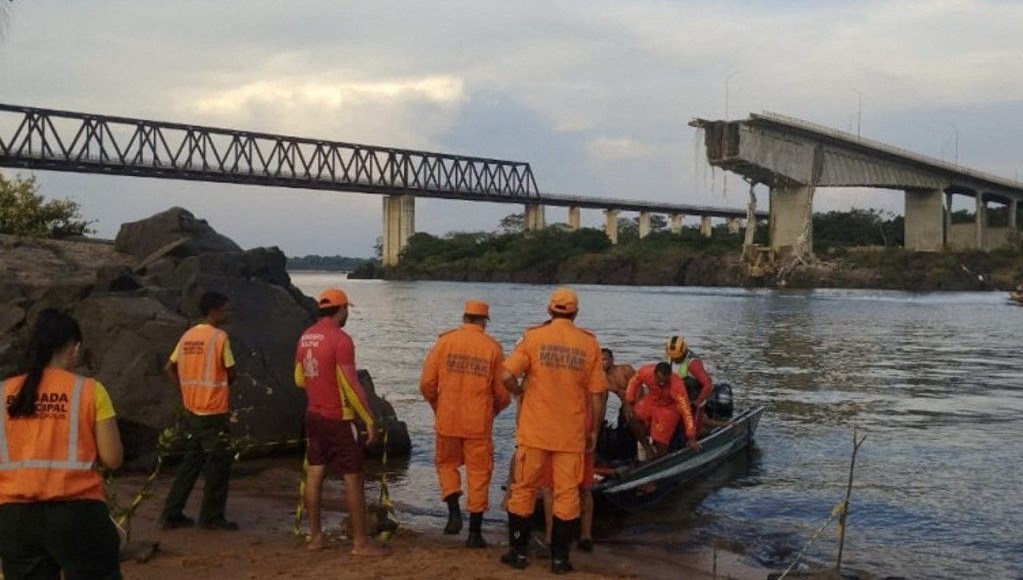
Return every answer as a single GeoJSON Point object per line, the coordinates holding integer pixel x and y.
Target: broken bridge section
{"type": "Point", "coordinates": [793, 157]}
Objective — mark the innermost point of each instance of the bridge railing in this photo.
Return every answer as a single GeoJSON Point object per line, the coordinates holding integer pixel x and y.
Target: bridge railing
{"type": "Point", "coordinates": [66, 141]}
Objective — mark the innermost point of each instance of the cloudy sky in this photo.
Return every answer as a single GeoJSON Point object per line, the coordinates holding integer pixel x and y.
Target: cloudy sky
{"type": "Point", "coordinates": [596, 95]}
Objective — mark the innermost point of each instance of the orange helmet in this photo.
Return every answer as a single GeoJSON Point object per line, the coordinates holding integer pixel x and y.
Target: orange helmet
{"type": "Point", "coordinates": [675, 347]}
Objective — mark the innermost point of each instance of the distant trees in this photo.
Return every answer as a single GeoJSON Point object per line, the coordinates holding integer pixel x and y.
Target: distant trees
{"type": "Point", "coordinates": [513, 223]}
{"type": "Point", "coordinates": [857, 227]}
{"type": "Point", "coordinates": [25, 212]}
{"type": "Point", "coordinates": [326, 263]}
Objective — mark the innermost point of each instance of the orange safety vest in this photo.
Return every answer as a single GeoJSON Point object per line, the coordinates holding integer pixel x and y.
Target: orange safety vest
{"type": "Point", "coordinates": [51, 456]}
{"type": "Point", "coordinates": [201, 370]}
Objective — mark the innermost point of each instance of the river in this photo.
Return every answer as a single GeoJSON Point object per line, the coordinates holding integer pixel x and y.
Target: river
{"type": "Point", "coordinates": [933, 380]}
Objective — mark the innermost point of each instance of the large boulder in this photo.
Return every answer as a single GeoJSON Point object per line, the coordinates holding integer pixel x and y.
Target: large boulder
{"type": "Point", "coordinates": [144, 237]}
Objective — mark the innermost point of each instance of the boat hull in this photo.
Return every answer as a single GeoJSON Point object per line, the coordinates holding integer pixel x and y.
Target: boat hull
{"type": "Point", "coordinates": [647, 484]}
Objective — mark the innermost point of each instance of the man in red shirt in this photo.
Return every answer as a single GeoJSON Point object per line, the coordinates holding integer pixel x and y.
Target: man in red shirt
{"type": "Point", "coordinates": [325, 368]}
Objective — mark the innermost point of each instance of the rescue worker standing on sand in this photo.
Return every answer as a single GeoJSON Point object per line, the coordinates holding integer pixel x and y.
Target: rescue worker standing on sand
{"type": "Point", "coordinates": [54, 427]}
{"type": "Point", "coordinates": [202, 366]}
{"type": "Point", "coordinates": [461, 380]}
{"type": "Point", "coordinates": [325, 368]}
{"type": "Point", "coordinates": [657, 413]}
{"type": "Point", "coordinates": [564, 383]}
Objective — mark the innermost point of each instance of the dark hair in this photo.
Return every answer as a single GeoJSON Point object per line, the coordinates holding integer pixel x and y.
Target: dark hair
{"type": "Point", "coordinates": [329, 311]}
{"type": "Point", "coordinates": [211, 301]}
{"type": "Point", "coordinates": [568, 315]}
{"type": "Point", "coordinates": [53, 331]}
{"type": "Point", "coordinates": [474, 319]}
{"type": "Point", "coordinates": [662, 369]}
{"type": "Point", "coordinates": [608, 352]}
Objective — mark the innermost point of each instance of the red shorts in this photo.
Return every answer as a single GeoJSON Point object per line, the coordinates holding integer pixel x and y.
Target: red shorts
{"type": "Point", "coordinates": [660, 420]}
{"type": "Point", "coordinates": [333, 443]}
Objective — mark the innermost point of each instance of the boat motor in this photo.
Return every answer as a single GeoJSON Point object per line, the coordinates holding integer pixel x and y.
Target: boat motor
{"type": "Point", "coordinates": [719, 405]}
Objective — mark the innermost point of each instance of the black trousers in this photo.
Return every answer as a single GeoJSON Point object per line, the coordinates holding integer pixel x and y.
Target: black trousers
{"type": "Point", "coordinates": [40, 540]}
{"type": "Point", "coordinates": [208, 450]}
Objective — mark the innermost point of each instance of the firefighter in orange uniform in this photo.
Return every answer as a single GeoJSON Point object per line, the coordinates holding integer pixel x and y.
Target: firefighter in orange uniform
{"type": "Point", "coordinates": [461, 380]}
{"type": "Point", "coordinates": [564, 382]}
{"type": "Point", "coordinates": [54, 427]}
{"type": "Point", "coordinates": [202, 365]}
{"type": "Point", "coordinates": [657, 413]}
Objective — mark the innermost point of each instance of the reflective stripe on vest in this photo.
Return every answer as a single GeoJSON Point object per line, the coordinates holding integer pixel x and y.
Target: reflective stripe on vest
{"type": "Point", "coordinates": [72, 443]}
{"type": "Point", "coordinates": [209, 368]}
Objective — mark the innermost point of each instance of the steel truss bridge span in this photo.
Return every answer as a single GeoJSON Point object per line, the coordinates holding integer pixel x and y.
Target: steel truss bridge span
{"type": "Point", "coordinates": [53, 140]}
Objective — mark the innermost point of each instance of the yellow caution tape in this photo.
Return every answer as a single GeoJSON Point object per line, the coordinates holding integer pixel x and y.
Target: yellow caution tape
{"type": "Point", "coordinates": [300, 507]}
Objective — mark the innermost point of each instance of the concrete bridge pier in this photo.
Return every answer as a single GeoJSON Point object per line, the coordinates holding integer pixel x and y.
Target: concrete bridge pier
{"type": "Point", "coordinates": [644, 224]}
{"type": "Point", "coordinates": [574, 218]}
{"type": "Point", "coordinates": [705, 226]}
{"type": "Point", "coordinates": [1013, 211]}
{"type": "Point", "coordinates": [790, 215]}
{"type": "Point", "coordinates": [925, 220]}
{"type": "Point", "coordinates": [399, 225]}
{"type": "Point", "coordinates": [534, 217]}
{"type": "Point", "coordinates": [980, 220]}
{"type": "Point", "coordinates": [611, 225]}
{"type": "Point", "coordinates": [676, 222]}
{"type": "Point", "coordinates": [734, 225]}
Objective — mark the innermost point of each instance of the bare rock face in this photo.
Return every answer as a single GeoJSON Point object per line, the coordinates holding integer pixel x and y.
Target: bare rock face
{"type": "Point", "coordinates": [144, 237]}
{"type": "Point", "coordinates": [135, 298]}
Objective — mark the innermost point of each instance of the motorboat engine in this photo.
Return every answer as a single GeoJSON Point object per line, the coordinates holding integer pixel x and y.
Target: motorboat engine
{"type": "Point", "coordinates": [719, 405]}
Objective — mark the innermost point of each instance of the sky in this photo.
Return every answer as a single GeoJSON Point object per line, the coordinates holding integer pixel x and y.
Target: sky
{"type": "Point", "coordinates": [596, 95]}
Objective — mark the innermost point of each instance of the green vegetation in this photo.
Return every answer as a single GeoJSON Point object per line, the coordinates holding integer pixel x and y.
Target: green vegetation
{"type": "Point", "coordinates": [558, 254]}
{"type": "Point", "coordinates": [838, 230]}
{"type": "Point", "coordinates": [25, 212]}
{"type": "Point", "coordinates": [326, 263]}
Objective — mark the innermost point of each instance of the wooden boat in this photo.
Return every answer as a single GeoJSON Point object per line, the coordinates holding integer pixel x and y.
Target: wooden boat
{"type": "Point", "coordinates": [644, 485]}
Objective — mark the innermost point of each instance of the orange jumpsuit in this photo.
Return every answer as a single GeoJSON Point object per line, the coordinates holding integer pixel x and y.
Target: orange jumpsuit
{"type": "Point", "coordinates": [562, 366]}
{"type": "Point", "coordinates": [661, 407]}
{"type": "Point", "coordinates": [461, 380]}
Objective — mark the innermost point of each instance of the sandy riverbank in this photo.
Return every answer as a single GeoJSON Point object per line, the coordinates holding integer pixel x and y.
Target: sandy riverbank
{"type": "Point", "coordinates": [263, 502]}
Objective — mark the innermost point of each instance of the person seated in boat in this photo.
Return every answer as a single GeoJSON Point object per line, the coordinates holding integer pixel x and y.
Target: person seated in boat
{"type": "Point", "coordinates": [655, 415]}
{"type": "Point", "coordinates": [615, 445]}
{"type": "Point", "coordinates": [690, 369]}
{"type": "Point", "coordinates": [617, 382]}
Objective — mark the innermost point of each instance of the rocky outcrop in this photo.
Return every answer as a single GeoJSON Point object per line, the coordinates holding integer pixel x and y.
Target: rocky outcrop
{"type": "Point", "coordinates": [134, 298]}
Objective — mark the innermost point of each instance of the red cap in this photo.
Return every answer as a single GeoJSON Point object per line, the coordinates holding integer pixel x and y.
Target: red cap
{"type": "Point", "coordinates": [332, 297]}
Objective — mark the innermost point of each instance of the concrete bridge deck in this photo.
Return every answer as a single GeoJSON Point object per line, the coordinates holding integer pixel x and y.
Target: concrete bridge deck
{"type": "Point", "coordinates": [794, 157]}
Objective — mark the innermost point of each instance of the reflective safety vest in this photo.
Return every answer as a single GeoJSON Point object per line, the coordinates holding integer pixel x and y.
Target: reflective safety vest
{"type": "Point", "coordinates": [683, 367]}
{"type": "Point", "coordinates": [201, 370]}
{"type": "Point", "coordinates": [50, 456]}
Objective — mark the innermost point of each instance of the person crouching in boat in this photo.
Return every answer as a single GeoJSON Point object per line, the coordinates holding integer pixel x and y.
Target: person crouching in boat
{"type": "Point", "coordinates": [56, 425]}
{"type": "Point", "coordinates": [655, 415]}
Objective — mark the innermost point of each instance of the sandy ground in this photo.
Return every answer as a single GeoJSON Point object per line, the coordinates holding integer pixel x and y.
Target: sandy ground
{"type": "Point", "coordinates": [263, 502]}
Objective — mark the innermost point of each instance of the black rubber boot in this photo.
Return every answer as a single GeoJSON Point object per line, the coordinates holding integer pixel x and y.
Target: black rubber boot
{"type": "Point", "coordinates": [475, 539]}
{"type": "Point", "coordinates": [561, 541]}
{"type": "Point", "coordinates": [454, 525]}
{"type": "Point", "coordinates": [518, 541]}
